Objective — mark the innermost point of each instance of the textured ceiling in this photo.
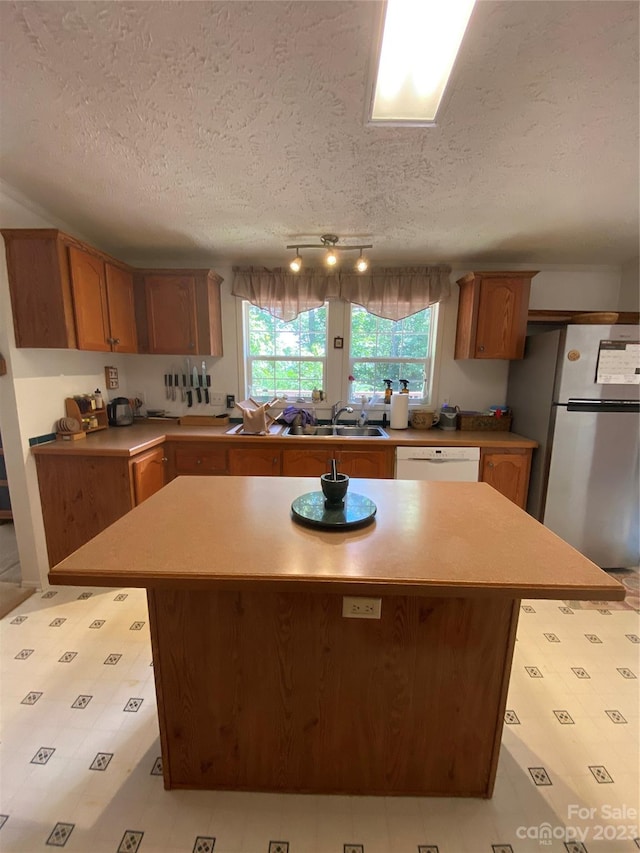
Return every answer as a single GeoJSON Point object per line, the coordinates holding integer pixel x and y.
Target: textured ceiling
{"type": "Point", "coordinates": [216, 131]}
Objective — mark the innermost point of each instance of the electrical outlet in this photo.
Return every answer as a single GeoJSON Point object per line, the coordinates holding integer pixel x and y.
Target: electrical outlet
{"type": "Point", "coordinates": [357, 607]}
{"type": "Point", "coordinates": [216, 399]}
{"type": "Point", "coordinates": [231, 401]}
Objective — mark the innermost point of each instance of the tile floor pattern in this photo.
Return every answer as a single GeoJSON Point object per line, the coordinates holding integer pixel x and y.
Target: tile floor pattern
{"type": "Point", "coordinates": [80, 761]}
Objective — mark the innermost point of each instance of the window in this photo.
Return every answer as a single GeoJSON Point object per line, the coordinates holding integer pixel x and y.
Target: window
{"type": "Point", "coordinates": [387, 349]}
{"type": "Point", "coordinates": [284, 359]}
{"type": "Point", "coordinates": [291, 359]}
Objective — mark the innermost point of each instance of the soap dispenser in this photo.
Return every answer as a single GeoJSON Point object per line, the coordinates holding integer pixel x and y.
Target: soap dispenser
{"type": "Point", "coordinates": [388, 392]}
{"type": "Point", "coordinates": [405, 386]}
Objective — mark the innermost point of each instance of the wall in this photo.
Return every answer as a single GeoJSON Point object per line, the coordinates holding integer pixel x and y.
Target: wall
{"type": "Point", "coordinates": [629, 299]}
{"type": "Point", "coordinates": [33, 391]}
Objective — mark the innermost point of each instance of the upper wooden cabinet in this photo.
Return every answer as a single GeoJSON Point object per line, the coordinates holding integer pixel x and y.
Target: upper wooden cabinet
{"type": "Point", "coordinates": [66, 295]}
{"type": "Point", "coordinates": [492, 314]}
{"type": "Point", "coordinates": [179, 312]}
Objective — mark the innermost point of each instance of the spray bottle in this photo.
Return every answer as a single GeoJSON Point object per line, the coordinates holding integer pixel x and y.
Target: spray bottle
{"type": "Point", "coordinates": [405, 386]}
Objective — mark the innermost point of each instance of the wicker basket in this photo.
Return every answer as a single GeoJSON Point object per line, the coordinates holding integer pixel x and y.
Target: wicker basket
{"type": "Point", "coordinates": [478, 421]}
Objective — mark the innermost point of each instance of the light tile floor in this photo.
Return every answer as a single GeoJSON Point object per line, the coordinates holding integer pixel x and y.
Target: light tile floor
{"type": "Point", "coordinates": [79, 750]}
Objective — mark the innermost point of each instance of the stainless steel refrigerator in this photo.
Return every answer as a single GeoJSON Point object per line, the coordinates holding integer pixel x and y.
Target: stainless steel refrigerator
{"type": "Point", "coordinates": [577, 392]}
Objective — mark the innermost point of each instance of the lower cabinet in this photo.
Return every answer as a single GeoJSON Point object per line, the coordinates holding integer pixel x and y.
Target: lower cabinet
{"type": "Point", "coordinates": [375, 463]}
{"type": "Point", "coordinates": [196, 458]}
{"type": "Point", "coordinates": [81, 495]}
{"type": "Point", "coordinates": [508, 472]}
{"type": "Point", "coordinates": [255, 461]}
{"type": "Point", "coordinates": [149, 473]}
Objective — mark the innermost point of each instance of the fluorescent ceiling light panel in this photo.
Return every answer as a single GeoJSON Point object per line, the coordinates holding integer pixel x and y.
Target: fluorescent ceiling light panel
{"type": "Point", "coordinates": [420, 43]}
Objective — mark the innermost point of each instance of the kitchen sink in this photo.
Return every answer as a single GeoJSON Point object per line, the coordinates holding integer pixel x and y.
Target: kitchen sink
{"type": "Point", "coordinates": [338, 431]}
{"type": "Point", "coordinates": [372, 431]}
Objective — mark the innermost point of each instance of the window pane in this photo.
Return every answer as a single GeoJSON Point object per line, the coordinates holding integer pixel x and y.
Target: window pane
{"type": "Point", "coordinates": [285, 358]}
{"type": "Point", "coordinates": [386, 349]}
{"type": "Point", "coordinates": [304, 336]}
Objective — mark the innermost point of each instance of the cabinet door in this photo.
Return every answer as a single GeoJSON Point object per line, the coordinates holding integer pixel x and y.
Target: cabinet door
{"type": "Point", "coordinates": [148, 472]}
{"type": "Point", "coordinates": [502, 318]}
{"type": "Point", "coordinates": [200, 459]}
{"type": "Point", "coordinates": [306, 463]}
{"type": "Point", "coordinates": [508, 472]}
{"type": "Point", "coordinates": [376, 464]}
{"type": "Point", "coordinates": [89, 300]}
{"type": "Point", "coordinates": [171, 314]}
{"type": "Point", "coordinates": [254, 462]}
{"type": "Point", "coordinates": [122, 316]}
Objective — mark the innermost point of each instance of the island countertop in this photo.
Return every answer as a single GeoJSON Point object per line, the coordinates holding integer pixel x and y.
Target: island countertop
{"type": "Point", "coordinates": [427, 539]}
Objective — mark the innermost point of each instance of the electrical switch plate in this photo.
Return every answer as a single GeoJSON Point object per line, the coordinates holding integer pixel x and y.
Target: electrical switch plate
{"type": "Point", "coordinates": [231, 401]}
{"type": "Point", "coordinates": [111, 378]}
{"type": "Point", "coordinates": [216, 399]}
{"type": "Point", "coordinates": [357, 607]}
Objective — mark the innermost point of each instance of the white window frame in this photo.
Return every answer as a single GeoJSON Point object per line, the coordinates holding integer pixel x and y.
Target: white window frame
{"type": "Point", "coordinates": [432, 367]}
{"type": "Point", "coordinates": [245, 358]}
{"type": "Point", "coordinates": [337, 360]}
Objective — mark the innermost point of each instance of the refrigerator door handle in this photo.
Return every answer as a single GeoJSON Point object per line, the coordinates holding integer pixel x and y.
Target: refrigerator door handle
{"type": "Point", "coordinates": [581, 405]}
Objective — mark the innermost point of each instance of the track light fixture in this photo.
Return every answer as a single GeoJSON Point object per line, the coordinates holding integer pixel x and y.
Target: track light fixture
{"type": "Point", "coordinates": [362, 264]}
{"type": "Point", "coordinates": [329, 242]}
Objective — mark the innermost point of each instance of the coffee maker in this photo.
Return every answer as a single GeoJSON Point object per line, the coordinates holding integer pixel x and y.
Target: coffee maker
{"type": "Point", "coordinates": [120, 412]}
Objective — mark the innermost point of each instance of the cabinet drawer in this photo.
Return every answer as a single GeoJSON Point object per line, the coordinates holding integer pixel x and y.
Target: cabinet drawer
{"type": "Point", "coordinates": [200, 461]}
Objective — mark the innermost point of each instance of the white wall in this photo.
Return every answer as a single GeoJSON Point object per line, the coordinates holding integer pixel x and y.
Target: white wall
{"type": "Point", "coordinates": [630, 286]}
{"type": "Point", "coordinates": [32, 393]}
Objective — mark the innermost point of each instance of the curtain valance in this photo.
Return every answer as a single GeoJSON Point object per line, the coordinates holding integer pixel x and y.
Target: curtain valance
{"type": "Point", "coordinates": [389, 292]}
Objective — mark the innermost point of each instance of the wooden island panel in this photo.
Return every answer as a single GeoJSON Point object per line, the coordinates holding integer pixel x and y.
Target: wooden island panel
{"type": "Point", "coordinates": [278, 692]}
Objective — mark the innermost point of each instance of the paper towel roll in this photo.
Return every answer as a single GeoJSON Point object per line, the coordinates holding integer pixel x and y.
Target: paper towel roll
{"type": "Point", "coordinates": [399, 411]}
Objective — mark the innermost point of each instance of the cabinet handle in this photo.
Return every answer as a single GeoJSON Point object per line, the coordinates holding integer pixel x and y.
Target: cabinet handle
{"type": "Point", "coordinates": [480, 348]}
{"type": "Point", "coordinates": [116, 340]}
{"type": "Point", "coordinates": [191, 345]}
{"type": "Point", "coordinates": [490, 464]}
{"type": "Point", "coordinates": [198, 461]}
{"type": "Point", "coordinates": [165, 459]}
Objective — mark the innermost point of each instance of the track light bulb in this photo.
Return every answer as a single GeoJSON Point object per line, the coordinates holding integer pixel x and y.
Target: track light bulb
{"type": "Point", "coordinates": [296, 263]}
{"type": "Point", "coordinates": [332, 258]}
{"type": "Point", "coordinates": [362, 264]}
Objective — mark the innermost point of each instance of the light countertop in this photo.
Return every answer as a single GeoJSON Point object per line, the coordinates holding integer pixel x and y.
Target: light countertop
{"type": "Point", "coordinates": [129, 441]}
{"type": "Point", "coordinates": [428, 538]}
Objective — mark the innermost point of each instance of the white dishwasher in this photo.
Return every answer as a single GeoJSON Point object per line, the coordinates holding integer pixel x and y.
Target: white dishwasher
{"type": "Point", "coordinates": [444, 464]}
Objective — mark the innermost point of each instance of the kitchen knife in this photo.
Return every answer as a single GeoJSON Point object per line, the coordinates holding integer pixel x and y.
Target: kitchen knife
{"type": "Point", "coordinates": [205, 384]}
{"type": "Point", "coordinates": [196, 383]}
{"type": "Point", "coordinates": [175, 382]}
{"type": "Point", "coordinates": [187, 382]}
{"type": "Point", "coordinates": [167, 390]}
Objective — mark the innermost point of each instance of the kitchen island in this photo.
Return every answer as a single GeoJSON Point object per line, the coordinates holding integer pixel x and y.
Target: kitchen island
{"type": "Point", "coordinates": [261, 682]}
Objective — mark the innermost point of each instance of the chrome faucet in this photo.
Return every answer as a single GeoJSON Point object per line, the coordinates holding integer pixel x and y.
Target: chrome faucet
{"type": "Point", "coordinates": [337, 409]}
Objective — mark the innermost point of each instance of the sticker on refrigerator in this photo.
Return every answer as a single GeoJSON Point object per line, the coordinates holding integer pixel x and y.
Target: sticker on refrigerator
{"type": "Point", "coordinates": [618, 363]}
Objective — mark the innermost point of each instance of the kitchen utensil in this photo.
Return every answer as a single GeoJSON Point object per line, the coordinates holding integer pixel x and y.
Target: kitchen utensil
{"type": "Point", "coordinates": [204, 382]}
{"type": "Point", "coordinates": [167, 391]}
{"type": "Point", "coordinates": [187, 382]}
{"type": "Point", "coordinates": [334, 469]}
{"type": "Point", "coordinates": [68, 425]}
{"type": "Point", "coordinates": [175, 382]}
{"type": "Point", "coordinates": [196, 383]}
{"type": "Point", "coordinates": [449, 417]}
{"type": "Point", "coordinates": [334, 488]}
{"type": "Point", "coordinates": [120, 412]}
{"type": "Point", "coordinates": [423, 418]}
